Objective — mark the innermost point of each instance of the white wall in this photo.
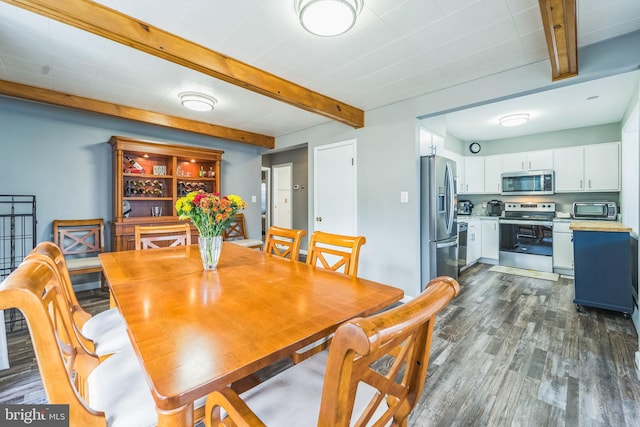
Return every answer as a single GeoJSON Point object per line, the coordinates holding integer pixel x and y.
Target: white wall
{"type": "Point", "coordinates": [388, 151]}
{"type": "Point", "coordinates": [630, 194]}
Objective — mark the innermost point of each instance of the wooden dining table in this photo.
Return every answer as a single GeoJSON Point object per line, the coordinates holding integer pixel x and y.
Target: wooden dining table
{"type": "Point", "coordinates": [197, 331]}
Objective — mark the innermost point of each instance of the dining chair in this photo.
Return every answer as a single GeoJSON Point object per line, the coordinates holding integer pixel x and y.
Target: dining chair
{"type": "Point", "coordinates": [81, 241]}
{"type": "Point", "coordinates": [284, 242]}
{"type": "Point", "coordinates": [112, 393]}
{"type": "Point", "coordinates": [335, 252]}
{"type": "Point", "coordinates": [102, 334]}
{"type": "Point", "coordinates": [158, 236]}
{"type": "Point", "coordinates": [373, 374]}
{"type": "Point", "coordinates": [236, 233]}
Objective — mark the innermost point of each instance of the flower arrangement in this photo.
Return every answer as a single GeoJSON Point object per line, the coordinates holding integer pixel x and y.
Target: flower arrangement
{"type": "Point", "coordinates": [209, 212]}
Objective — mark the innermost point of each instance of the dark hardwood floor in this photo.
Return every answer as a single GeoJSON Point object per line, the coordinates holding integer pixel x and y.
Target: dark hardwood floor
{"type": "Point", "coordinates": [512, 350]}
{"type": "Point", "coordinates": [508, 350]}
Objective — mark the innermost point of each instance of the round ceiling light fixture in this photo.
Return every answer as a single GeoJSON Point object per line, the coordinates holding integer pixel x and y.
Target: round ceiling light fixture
{"type": "Point", "coordinates": [328, 18]}
{"type": "Point", "coordinates": [197, 101]}
{"type": "Point", "coordinates": [514, 119]}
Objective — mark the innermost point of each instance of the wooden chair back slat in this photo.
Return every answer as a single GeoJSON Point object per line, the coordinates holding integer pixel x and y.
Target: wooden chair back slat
{"type": "Point", "coordinates": [237, 228]}
{"type": "Point", "coordinates": [284, 242]}
{"type": "Point", "coordinates": [398, 339]}
{"type": "Point", "coordinates": [149, 237]}
{"type": "Point", "coordinates": [81, 238]}
{"type": "Point", "coordinates": [335, 252]}
{"type": "Point", "coordinates": [236, 231]}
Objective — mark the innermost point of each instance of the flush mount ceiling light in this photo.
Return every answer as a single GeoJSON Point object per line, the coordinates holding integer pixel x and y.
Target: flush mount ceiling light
{"type": "Point", "coordinates": [327, 18]}
{"type": "Point", "coordinates": [514, 119]}
{"type": "Point", "coordinates": [197, 101]}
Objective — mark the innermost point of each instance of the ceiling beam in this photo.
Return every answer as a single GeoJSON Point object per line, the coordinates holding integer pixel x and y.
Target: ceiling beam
{"type": "Point", "coordinates": [116, 26]}
{"type": "Point", "coordinates": [560, 30]}
{"type": "Point", "coordinates": [47, 96]}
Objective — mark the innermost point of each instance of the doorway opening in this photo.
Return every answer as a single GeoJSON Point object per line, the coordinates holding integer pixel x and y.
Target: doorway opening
{"type": "Point", "coordinates": [265, 200]}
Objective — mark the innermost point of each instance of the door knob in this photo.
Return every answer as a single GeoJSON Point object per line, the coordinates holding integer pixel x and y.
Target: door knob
{"type": "Point", "coordinates": [319, 218]}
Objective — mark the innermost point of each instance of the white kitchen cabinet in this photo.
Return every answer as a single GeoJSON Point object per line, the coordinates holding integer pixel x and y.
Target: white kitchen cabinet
{"type": "Point", "coordinates": [459, 176]}
{"type": "Point", "coordinates": [526, 161]}
{"type": "Point", "coordinates": [562, 247]}
{"type": "Point", "coordinates": [602, 167]}
{"type": "Point", "coordinates": [569, 169]}
{"type": "Point", "coordinates": [587, 168]}
{"type": "Point", "coordinates": [473, 175]}
{"type": "Point", "coordinates": [490, 238]}
{"type": "Point", "coordinates": [474, 240]}
{"type": "Point", "coordinates": [492, 174]}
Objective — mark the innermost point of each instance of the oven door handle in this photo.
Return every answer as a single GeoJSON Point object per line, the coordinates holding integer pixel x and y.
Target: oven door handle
{"type": "Point", "coordinates": [526, 222]}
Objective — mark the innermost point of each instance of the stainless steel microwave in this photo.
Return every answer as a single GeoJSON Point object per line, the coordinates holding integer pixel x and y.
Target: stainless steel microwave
{"type": "Point", "coordinates": [605, 211]}
{"type": "Point", "coordinates": [530, 183]}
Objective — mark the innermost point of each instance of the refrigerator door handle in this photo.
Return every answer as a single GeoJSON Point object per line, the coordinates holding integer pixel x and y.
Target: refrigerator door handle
{"type": "Point", "coordinates": [449, 198]}
{"type": "Point", "coordinates": [447, 244]}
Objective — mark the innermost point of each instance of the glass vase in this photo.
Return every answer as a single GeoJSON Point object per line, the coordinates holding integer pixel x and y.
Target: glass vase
{"type": "Point", "coordinates": [210, 248]}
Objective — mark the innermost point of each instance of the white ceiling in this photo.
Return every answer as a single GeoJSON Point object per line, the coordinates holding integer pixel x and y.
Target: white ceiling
{"type": "Point", "coordinates": [591, 103]}
{"type": "Point", "coordinates": [398, 49]}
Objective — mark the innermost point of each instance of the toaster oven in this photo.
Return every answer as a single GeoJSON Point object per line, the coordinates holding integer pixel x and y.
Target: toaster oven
{"type": "Point", "coordinates": [604, 211]}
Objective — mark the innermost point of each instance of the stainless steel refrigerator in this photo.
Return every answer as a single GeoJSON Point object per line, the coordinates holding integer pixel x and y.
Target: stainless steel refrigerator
{"type": "Point", "coordinates": [438, 222]}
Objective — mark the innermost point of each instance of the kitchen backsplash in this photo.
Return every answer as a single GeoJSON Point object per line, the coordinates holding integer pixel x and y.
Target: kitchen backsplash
{"type": "Point", "coordinates": [563, 201]}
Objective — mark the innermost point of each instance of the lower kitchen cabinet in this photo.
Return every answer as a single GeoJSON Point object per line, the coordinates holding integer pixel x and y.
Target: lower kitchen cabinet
{"type": "Point", "coordinates": [562, 247]}
{"type": "Point", "coordinates": [490, 239]}
{"type": "Point", "coordinates": [474, 240]}
{"type": "Point", "coordinates": [602, 262]}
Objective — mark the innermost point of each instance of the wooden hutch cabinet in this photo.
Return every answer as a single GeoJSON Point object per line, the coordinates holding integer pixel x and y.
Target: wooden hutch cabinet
{"type": "Point", "coordinates": [148, 196]}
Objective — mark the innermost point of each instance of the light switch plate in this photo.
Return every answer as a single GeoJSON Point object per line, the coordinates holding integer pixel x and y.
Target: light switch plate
{"type": "Point", "coordinates": [254, 199]}
{"type": "Point", "coordinates": [404, 197]}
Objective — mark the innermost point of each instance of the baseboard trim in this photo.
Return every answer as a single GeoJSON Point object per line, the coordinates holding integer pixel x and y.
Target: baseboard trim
{"type": "Point", "coordinates": [86, 286]}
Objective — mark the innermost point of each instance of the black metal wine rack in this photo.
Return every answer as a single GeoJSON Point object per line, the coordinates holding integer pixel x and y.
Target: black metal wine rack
{"type": "Point", "coordinates": [17, 239]}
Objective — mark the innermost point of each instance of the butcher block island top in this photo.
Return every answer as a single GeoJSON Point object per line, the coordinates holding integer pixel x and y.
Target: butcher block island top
{"type": "Point", "coordinates": [612, 226]}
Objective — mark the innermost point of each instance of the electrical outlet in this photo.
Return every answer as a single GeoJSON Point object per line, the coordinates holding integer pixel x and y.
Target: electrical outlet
{"type": "Point", "coordinates": [254, 199]}
{"type": "Point", "coordinates": [404, 197]}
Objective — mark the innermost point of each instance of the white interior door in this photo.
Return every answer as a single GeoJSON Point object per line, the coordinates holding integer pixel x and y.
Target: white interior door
{"type": "Point", "coordinates": [282, 188]}
{"type": "Point", "coordinates": [335, 188]}
{"type": "Point", "coordinates": [265, 199]}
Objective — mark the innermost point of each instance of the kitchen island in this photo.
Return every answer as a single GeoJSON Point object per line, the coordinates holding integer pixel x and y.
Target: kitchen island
{"type": "Point", "coordinates": [602, 262]}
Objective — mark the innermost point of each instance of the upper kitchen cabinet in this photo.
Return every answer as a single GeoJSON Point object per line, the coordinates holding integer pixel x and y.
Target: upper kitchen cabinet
{"type": "Point", "coordinates": [492, 174]}
{"type": "Point", "coordinates": [473, 175]}
{"type": "Point", "coordinates": [587, 168]}
{"type": "Point", "coordinates": [602, 167]}
{"type": "Point", "coordinates": [532, 160]}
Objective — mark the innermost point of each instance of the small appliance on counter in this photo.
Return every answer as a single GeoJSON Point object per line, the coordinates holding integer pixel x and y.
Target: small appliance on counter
{"type": "Point", "coordinates": [464, 207]}
{"type": "Point", "coordinates": [603, 211]}
{"type": "Point", "coordinates": [494, 208]}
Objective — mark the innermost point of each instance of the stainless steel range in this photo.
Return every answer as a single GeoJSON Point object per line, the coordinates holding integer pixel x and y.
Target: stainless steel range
{"type": "Point", "coordinates": [526, 232]}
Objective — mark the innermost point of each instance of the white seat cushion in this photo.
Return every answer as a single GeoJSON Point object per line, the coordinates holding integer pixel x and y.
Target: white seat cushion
{"type": "Point", "coordinates": [118, 387]}
{"type": "Point", "coordinates": [108, 331]}
{"type": "Point", "coordinates": [87, 262]}
{"type": "Point", "coordinates": [247, 242]}
{"type": "Point", "coordinates": [293, 396]}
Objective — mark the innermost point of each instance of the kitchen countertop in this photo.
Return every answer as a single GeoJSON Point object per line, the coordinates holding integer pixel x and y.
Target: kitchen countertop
{"type": "Point", "coordinates": [464, 218]}
{"type": "Point", "coordinates": [612, 226]}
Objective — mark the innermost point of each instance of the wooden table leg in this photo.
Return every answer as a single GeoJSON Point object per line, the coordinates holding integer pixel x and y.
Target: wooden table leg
{"type": "Point", "coordinates": [179, 417]}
